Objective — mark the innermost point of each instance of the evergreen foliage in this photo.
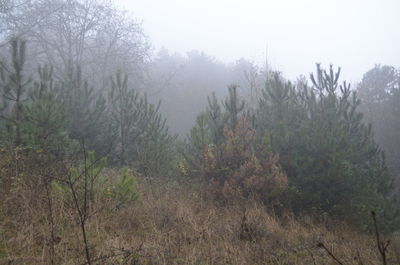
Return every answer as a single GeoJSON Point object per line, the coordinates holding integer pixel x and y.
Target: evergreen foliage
{"type": "Point", "coordinates": [379, 92]}
{"type": "Point", "coordinates": [13, 88]}
{"type": "Point", "coordinates": [222, 150]}
{"type": "Point", "coordinates": [328, 152]}
{"type": "Point", "coordinates": [123, 191]}
{"type": "Point", "coordinates": [307, 147]}
{"type": "Point", "coordinates": [45, 125]}
{"type": "Point", "coordinates": [233, 106]}
{"type": "Point", "coordinates": [85, 109]}
{"type": "Point", "coordinates": [89, 179]}
{"type": "Point", "coordinates": [140, 132]}
{"type": "Point", "coordinates": [81, 181]}
{"type": "Point", "coordinates": [54, 116]}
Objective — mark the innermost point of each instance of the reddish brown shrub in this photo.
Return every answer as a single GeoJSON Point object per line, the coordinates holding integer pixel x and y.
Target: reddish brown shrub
{"type": "Point", "coordinates": [235, 169]}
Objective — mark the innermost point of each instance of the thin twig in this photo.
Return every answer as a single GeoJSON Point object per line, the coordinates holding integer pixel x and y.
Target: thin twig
{"type": "Point", "coordinates": [321, 245]}
{"type": "Point", "coordinates": [382, 246]}
{"type": "Point", "coordinates": [51, 219]}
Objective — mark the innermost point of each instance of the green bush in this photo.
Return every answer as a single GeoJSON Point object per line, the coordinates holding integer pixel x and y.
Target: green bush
{"type": "Point", "coordinates": [90, 180]}
{"type": "Point", "coordinates": [123, 191]}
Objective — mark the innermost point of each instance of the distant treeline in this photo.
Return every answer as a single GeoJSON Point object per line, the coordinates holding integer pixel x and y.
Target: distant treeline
{"type": "Point", "coordinates": [79, 77]}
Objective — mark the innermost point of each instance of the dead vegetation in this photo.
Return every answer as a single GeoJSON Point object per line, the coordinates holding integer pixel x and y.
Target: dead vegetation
{"type": "Point", "coordinates": [171, 223]}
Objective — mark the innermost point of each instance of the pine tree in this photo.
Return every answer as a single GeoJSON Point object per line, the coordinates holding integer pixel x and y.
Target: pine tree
{"type": "Point", "coordinates": [216, 119]}
{"type": "Point", "coordinates": [155, 149]}
{"type": "Point", "coordinates": [379, 91]}
{"type": "Point", "coordinates": [221, 149]}
{"type": "Point", "coordinates": [198, 138]}
{"type": "Point", "coordinates": [45, 125]}
{"type": "Point", "coordinates": [279, 118]}
{"type": "Point", "coordinates": [13, 88]}
{"type": "Point", "coordinates": [233, 106]}
{"type": "Point", "coordinates": [85, 109]}
{"type": "Point", "coordinates": [130, 115]}
{"type": "Point", "coordinates": [333, 164]}
{"type": "Point", "coordinates": [141, 133]}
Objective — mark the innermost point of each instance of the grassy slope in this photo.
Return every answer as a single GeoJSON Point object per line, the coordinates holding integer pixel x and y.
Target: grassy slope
{"type": "Point", "coordinates": [174, 224]}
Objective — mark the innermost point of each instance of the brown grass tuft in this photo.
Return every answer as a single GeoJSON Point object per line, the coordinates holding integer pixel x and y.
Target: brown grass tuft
{"type": "Point", "coordinates": [174, 223]}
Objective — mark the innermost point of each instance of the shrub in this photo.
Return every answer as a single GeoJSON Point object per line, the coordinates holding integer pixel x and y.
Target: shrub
{"type": "Point", "coordinates": [90, 180]}
{"type": "Point", "coordinates": [123, 191]}
{"type": "Point", "coordinates": [235, 169]}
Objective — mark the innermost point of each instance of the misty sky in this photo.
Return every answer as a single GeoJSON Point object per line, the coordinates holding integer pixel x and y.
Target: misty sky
{"type": "Point", "coordinates": [354, 34]}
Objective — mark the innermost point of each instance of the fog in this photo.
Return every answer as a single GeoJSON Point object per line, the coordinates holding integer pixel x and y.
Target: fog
{"type": "Point", "coordinates": [199, 132]}
{"type": "Point", "coordinates": [180, 52]}
{"type": "Point", "coordinates": [354, 34]}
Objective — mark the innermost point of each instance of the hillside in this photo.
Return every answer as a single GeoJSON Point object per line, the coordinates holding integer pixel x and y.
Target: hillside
{"type": "Point", "coordinates": [173, 223]}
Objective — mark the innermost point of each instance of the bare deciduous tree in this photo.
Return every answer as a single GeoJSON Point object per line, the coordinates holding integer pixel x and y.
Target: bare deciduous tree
{"type": "Point", "coordinates": [90, 33]}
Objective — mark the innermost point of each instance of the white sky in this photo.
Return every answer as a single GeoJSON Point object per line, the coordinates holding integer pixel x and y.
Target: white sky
{"type": "Point", "coordinates": [353, 34]}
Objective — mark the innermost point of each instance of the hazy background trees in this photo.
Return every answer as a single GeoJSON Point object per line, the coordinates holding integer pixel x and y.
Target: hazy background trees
{"type": "Point", "coordinates": [379, 92]}
{"type": "Point", "coordinates": [101, 40]}
{"type": "Point", "coordinates": [92, 34]}
{"type": "Point", "coordinates": [184, 82]}
{"type": "Point", "coordinates": [82, 73]}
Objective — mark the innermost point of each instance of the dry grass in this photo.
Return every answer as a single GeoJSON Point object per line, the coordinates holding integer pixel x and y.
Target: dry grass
{"type": "Point", "coordinates": [173, 224]}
